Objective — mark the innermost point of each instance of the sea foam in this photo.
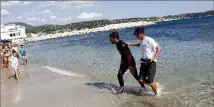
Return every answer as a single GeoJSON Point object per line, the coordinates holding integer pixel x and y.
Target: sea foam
{"type": "Point", "coordinates": [63, 72]}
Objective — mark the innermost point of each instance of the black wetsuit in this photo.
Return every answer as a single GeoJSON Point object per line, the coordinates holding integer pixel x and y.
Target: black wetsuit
{"type": "Point", "coordinates": [127, 60]}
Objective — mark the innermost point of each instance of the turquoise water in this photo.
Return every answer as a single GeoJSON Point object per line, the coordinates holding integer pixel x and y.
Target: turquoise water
{"type": "Point", "coordinates": [184, 68]}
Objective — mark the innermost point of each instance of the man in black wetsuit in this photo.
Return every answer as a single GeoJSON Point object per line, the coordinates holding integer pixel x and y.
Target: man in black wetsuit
{"type": "Point", "coordinates": [127, 60]}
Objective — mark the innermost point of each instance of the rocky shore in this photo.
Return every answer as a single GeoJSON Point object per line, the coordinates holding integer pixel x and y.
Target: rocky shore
{"type": "Point", "coordinates": [38, 37]}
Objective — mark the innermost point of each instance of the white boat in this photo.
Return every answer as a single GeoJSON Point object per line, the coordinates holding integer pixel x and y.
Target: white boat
{"type": "Point", "coordinates": [12, 32]}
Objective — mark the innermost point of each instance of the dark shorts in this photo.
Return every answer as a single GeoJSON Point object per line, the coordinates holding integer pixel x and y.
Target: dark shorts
{"type": "Point", "coordinates": [147, 72]}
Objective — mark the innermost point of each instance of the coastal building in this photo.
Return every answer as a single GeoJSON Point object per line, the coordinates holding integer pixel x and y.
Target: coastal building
{"type": "Point", "coordinates": [12, 31]}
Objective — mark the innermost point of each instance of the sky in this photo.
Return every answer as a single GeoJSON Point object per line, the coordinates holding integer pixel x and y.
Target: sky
{"type": "Point", "coordinates": [65, 12]}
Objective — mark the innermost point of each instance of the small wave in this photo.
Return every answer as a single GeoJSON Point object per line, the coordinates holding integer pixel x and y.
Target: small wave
{"type": "Point", "coordinates": [63, 72]}
{"type": "Point", "coordinates": [160, 92]}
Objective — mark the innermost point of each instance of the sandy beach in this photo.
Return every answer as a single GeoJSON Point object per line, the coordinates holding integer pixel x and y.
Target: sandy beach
{"type": "Point", "coordinates": [39, 87]}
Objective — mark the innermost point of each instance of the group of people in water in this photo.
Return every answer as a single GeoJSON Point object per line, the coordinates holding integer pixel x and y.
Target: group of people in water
{"type": "Point", "coordinates": [9, 57]}
{"type": "Point", "coordinates": [149, 49]}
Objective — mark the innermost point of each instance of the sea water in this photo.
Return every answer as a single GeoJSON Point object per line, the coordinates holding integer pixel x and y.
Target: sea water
{"type": "Point", "coordinates": [184, 68]}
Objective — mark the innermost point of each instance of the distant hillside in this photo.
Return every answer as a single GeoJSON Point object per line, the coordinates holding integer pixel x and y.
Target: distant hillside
{"type": "Point", "coordinates": [99, 23]}
{"type": "Point", "coordinates": [22, 24]}
{"type": "Point", "coordinates": [29, 28]}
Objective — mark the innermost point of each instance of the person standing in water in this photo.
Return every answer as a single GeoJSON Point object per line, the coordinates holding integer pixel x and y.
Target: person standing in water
{"type": "Point", "coordinates": [14, 64]}
{"type": "Point", "coordinates": [23, 55]}
{"type": "Point", "coordinates": [127, 60]}
{"type": "Point", "coordinates": [150, 50]}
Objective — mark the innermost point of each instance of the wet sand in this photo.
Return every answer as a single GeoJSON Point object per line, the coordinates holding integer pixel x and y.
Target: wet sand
{"type": "Point", "coordinates": [39, 87]}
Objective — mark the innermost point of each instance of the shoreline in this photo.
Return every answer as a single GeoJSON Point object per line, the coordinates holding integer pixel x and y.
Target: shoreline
{"type": "Point", "coordinates": [40, 37]}
{"type": "Point", "coordinates": [41, 87]}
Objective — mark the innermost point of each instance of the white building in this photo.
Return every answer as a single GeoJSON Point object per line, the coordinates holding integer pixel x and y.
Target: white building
{"type": "Point", "coordinates": [12, 31]}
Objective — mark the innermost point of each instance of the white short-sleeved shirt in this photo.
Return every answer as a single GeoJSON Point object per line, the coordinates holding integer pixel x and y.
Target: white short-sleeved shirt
{"type": "Point", "coordinates": [14, 62]}
{"type": "Point", "coordinates": [148, 48]}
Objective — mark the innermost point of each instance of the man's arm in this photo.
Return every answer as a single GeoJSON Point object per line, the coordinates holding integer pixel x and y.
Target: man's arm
{"type": "Point", "coordinates": [125, 51]}
{"type": "Point", "coordinates": [157, 52]}
{"type": "Point", "coordinates": [128, 57]}
{"type": "Point", "coordinates": [134, 44]}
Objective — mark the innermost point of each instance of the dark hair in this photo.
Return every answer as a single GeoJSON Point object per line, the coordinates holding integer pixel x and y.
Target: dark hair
{"type": "Point", "coordinates": [6, 45]}
{"type": "Point", "coordinates": [13, 51]}
{"type": "Point", "coordinates": [139, 30]}
{"type": "Point", "coordinates": [114, 35]}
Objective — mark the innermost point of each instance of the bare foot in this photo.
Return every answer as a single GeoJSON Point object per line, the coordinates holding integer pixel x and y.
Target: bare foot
{"type": "Point", "coordinates": [17, 78]}
{"type": "Point", "coordinates": [157, 84]}
{"type": "Point", "coordinates": [154, 86]}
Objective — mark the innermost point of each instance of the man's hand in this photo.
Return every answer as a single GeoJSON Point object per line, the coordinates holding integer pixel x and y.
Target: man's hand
{"type": "Point", "coordinates": [151, 60]}
{"type": "Point", "coordinates": [128, 43]}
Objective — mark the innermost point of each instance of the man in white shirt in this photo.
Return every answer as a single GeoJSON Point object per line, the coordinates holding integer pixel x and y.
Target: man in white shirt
{"type": "Point", "coordinates": [150, 50]}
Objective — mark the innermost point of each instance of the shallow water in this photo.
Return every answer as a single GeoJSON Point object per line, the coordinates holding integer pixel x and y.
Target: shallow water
{"type": "Point", "coordinates": [184, 68]}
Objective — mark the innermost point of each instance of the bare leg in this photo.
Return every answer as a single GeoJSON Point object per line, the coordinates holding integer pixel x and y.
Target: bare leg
{"type": "Point", "coordinates": [1, 63]}
{"type": "Point", "coordinates": [1, 59]}
{"type": "Point", "coordinates": [4, 62]}
{"type": "Point", "coordinates": [16, 75]}
{"type": "Point", "coordinates": [25, 61]}
{"type": "Point", "coordinates": [7, 62]}
{"type": "Point", "coordinates": [153, 85]}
